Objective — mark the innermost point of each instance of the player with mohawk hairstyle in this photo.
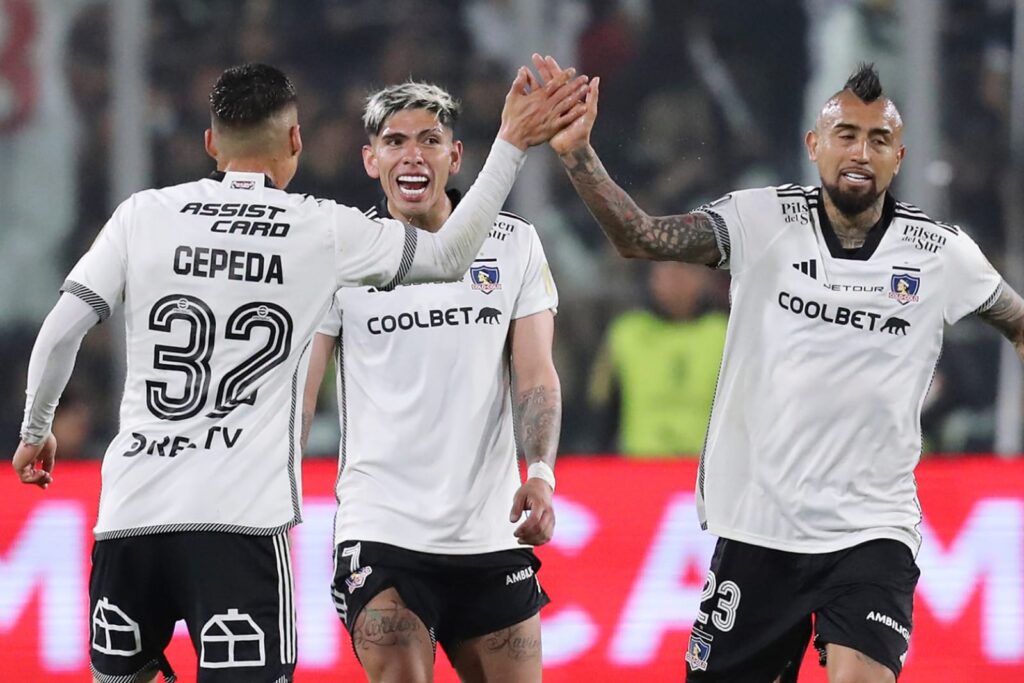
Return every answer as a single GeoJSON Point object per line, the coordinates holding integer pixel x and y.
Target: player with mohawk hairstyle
{"type": "Point", "coordinates": [430, 531]}
{"type": "Point", "coordinates": [840, 294]}
{"type": "Point", "coordinates": [223, 281]}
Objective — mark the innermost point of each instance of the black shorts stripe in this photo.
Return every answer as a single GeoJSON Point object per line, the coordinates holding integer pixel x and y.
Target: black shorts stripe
{"type": "Point", "coordinates": [90, 297]}
{"type": "Point", "coordinates": [286, 595]}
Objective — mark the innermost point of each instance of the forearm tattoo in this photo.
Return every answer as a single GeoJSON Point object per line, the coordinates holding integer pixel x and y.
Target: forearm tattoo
{"type": "Point", "coordinates": [687, 237]}
{"type": "Point", "coordinates": [1006, 314]}
{"type": "Point", "coordinates": [539, 413]}
{"type": "Point", "coordinates": [307, 424]}
{"type": "Point", "coordinates": [516, 643]}
{"type": "Point", "coordinates": [386, 626]}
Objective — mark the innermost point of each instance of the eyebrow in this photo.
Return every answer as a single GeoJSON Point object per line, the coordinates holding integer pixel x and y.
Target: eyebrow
{"type": "Point", "coordinates": [433, 130]}
{"type": "Point", "coordinates": [886, 131]}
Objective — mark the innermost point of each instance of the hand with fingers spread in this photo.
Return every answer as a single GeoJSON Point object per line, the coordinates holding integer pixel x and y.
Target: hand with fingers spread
{"type": "Point", "coordinates": [538, 528]}
{"type": "Point", "coordinates": [534, 112]}
{"type": "Point", "coordinates": [576, 135]}
{"type": "Point", "coordinates": [29, 455]}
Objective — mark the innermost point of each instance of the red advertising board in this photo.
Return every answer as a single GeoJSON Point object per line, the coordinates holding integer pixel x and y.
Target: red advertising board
{"type": "Point", "coordinates": [624, 572]}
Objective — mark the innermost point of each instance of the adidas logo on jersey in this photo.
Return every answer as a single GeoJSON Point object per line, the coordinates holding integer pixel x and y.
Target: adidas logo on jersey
{"type": "Point", "coordinates": [808, 268]}
{"type": "Point", "coordinates": [516, 577]}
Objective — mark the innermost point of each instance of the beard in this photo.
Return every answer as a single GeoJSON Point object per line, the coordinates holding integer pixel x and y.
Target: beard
{"type": "Point", "coordinates": [852, 203]}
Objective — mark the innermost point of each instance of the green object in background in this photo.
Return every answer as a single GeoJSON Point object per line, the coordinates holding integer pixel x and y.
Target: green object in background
{"type": "Point", "coordinates": [666, 371]}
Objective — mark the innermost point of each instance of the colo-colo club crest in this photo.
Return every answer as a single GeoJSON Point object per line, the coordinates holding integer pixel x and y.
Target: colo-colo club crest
{"type": "Point", "coordinates": [485, 278]}
{"type": "Point", "coordinates": [904, 287]}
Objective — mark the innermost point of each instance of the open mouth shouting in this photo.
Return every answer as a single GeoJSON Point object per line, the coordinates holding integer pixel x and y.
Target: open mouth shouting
{"type": "Point", "coordinates": [412, 186]}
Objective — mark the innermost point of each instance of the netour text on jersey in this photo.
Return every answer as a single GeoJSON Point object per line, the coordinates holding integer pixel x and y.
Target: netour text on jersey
{"type": "Point", "coordinates": [246, 266]}
{"type": "Point", "coordinates": [839, 315]}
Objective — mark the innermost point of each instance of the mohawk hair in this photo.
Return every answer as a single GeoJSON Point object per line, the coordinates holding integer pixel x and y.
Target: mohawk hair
{"type": "Point", "coordinates": [409, 95]}
{"type": "Point", "coordinates": [864, 83]}
{"type": "Point", "coordinates": [249, 94]}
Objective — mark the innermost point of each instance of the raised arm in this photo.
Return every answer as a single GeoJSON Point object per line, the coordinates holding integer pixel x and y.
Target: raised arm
{"type": "Point", "coordinates": [1006, 314]}
{"type": "Point", "coordinates": [634, 233]}
{"type": "Point", "coordinates": [538, 411]}
{"type": "Point", "coordinates": [531, 115]}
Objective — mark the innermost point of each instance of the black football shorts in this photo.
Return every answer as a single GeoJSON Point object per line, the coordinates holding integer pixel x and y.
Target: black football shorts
{"type": "Point", "coordinates": [234, 592]}
{"type": "Point", "coordinates": [759, 606]}
{"type": "Point", "coordinates": [457, 597]}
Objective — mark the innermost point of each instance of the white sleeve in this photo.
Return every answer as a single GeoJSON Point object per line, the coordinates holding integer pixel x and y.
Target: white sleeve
{"type": "Point", "coordinates": [725, 219]}
{"type": "Point", "coordinates": [51, 363]}
{"type": "Point", "coordinates": [369, 251]}
{"type": "Point", "coordinates": [745, 224]}
{"type": "Point", "coordinates": [447, 254]}
{"type": "Point", "coordinates": [98, 278]}
{"type": "Point", "coordinates": [971, 281]}
{"type": "Point", "coordinates": [538, 292]}
{"type": "Point", "coordinates": [331, 324]}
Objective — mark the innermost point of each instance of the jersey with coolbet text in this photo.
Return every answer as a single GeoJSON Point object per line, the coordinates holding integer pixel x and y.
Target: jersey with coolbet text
{"type": "Point", "coordinates": [427, 454]}
{"type": "Point", "coordinates": [224, 281]}
{"type": "Point", "coordinates": [815, 429]}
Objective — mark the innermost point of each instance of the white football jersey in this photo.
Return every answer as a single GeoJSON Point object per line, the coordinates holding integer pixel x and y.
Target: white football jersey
{"type": "Point", "coordinates": [224, 281]}
{"type": "Point", "coordinates": [427, 454]}
{"type": "Point", "coordinates": [815, 429]}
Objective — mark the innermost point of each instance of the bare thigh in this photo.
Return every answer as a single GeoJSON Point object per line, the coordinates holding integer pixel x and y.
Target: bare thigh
{"type": "Point", "coordinates": [846, 665]}
{"type": "Point", "coordinates": [392, 644]}
{"type": "Point", "coordinates": [509, 655]}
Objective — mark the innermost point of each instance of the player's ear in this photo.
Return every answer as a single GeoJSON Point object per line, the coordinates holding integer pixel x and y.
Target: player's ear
{"type": "Point", "coordinates": [370, 162]}
{"type": "Point", "coordinates": [811, 143]}
{"type": "Point", "coordinates": [456, 157]}
{"type": "Point", "coordinates": [209, 143]}
{"type": "Point", "coordinates": [901, 152]}
{"type": "Point", "coordinates": [295, 138]}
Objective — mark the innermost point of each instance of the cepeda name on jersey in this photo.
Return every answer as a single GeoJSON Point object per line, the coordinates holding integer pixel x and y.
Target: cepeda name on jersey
{"type": "Point", "coordinates": [245, 266]}
{"type": "Point", "coordinates": [240, 212]}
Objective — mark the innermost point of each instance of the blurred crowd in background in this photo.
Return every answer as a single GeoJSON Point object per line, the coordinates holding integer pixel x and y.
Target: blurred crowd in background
{"type": "Point", "coordinates": [698, 97]}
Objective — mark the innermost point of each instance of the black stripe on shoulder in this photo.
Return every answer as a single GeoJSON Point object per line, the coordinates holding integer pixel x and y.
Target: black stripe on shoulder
{"type": "Point", "coordinates": [790, 190]}
{"type": "Point", "coordinates": [408, 252]}
{"type": "Point", "coordinates": [922, 218]}
{"type": "Point", "coordinates": [90, 297]}
{"type": "Point", "coordinates": [509, 214]}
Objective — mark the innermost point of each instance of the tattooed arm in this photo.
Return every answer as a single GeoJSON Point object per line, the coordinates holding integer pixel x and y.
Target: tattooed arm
{"type": "Point", "coordinates": [634, 233]}
{"type": "Point", "coordinates": [1006, 314]}
{"type": "Point", "coordinates": [538, 412]}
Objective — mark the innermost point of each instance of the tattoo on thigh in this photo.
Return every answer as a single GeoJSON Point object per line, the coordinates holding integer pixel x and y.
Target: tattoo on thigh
{"type": "Point", "coordinates": [386, 626]}
{"type": "Point", "coordinates": [515, 642]}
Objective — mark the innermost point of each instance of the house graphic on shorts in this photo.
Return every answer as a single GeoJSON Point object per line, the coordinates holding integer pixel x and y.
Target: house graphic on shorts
{"type": "Point", "coordinates": [231, 640]}
{"type": "Point", "coordinates": [113, 631]}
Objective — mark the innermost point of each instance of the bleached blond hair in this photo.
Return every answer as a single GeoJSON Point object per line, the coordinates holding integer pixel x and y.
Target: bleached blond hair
{"type": "Point", "coordinates": [409, 95]}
